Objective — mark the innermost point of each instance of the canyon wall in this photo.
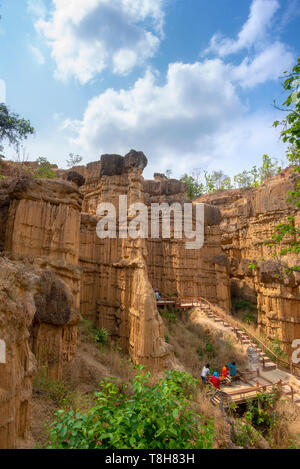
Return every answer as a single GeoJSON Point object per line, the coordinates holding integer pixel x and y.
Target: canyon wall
{"type": "Point", "coordinates": [119, 275]}
{"type": "Point", "coordinates": [17, 363]}
{"type": "Point", "coordinates": [51, 252]}
{"type": "Point", "coordinates": [116, 292]}
{"type": "Point", "coordinates": [248, 219]}
{"type": "Point", "coordinates": [34, 316]}
{"type": "Point", "coordinates": [173, 268]}
{"type": "Point", "coordinates": [41, 223]}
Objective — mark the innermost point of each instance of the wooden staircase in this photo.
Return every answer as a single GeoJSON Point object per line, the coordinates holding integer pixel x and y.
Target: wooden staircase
{"type": "Point", "coordinates": [244, 338]}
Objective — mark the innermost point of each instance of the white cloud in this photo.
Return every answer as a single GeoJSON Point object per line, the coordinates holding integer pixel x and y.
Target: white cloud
{"type": "Point", "coordinates": [195, 119]}
{"type": "Point", "coordinates": [253, 31]}
{"type": "Point", "coordinates": [266, 58]}
{"type": "Point", "coordinates": [87, 37]}
{"type": "Point", "coordinates": [177, 118]}
{"type": "Point", "coordinates": [243, 145]}
{"type": "Point", "coordinates": [38, 56]}
{"type": "Point", "coordinates": [2, 91]}
{"type": "Point", "coordinates": [266, 65]}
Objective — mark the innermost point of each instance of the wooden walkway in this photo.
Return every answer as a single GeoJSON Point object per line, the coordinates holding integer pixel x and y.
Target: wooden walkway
{"type": "Point", "coordinates": [257, 381]}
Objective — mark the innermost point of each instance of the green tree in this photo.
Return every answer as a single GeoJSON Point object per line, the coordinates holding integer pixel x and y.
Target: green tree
{"type": "Point", "coordinates": [13, 128]}
{"type": "Point", "coordinates": [43, 170]}
{"type": "Point", "coordinates": [1, 153]}
{"type": "Point", "coordinates": [217, 181]}
{"type": "Point", "coordinates": [193, 188]}
{"type": "Point", "coordinates": [226, 184]}
{"type": "Point", "coordinates": [243, 179]}
{"type": "Point", "coordinates": [73, 160]}
{"type": "Point", "coordinates": [255, 173]}
{"type": "Point", "coordinates": [290, 134]}
{"type": "Point", "coordinates": [210, 185]}
{"type": "Point", "coordinates": [268, 169]}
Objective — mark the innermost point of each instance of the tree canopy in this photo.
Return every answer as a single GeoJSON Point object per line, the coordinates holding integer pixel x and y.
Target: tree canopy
{"type": "Point", "coordinates": [13, 128]}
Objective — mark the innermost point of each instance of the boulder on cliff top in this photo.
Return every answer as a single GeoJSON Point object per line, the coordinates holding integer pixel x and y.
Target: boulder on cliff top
{"type": "Point", "coordinates": [78, 179]}
{"type": "Point", "coordinates": [112, 165]}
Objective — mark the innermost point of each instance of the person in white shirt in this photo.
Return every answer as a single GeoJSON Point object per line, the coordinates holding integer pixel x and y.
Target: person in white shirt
{"type": "Point", "coordinates": [205, 373]}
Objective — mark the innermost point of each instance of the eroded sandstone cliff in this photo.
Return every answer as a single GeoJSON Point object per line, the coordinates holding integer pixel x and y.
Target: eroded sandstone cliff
{"type": "Point", "coordinates": [40, 228]}
{"type": "Point", "coordinates": [51, 252]}
{"type": "Point", "coordinates": [35, 316]}
{"type": "Point", "coordinates": [119, 275]}
{"type": "Point", "coordinates": [248, 220]}
{"type": "Point", "coordinates": [179, 271]}
{"type": "Point", "coordinates": [116, 292]}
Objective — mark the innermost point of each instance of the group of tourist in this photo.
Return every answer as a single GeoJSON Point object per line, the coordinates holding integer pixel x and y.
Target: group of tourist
{"type": "Point", "coordinates": [228, 371]}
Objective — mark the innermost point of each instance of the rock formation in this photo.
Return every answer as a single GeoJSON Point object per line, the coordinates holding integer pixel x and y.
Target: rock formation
{"type": "Point", "coordinates": [40, 228]}
{"type": "Point", "coordinates": [17, 367]}
{"type": "Point", "coordinates": [52, 252]}
{"type": "Point", "coordinates": [116, 292]}
{"type": "Point", "coordinates": [35, 315]}
{"type": "Point", "coordinates": [119, 275]}
{"type": "Point", "coordinates": [248, 219]}
{"type": "Point", "coordinates": [173, 268]}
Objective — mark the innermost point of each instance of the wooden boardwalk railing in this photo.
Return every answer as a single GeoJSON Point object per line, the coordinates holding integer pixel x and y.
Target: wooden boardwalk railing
{"type": "Point", "coordinates": [188, 302]}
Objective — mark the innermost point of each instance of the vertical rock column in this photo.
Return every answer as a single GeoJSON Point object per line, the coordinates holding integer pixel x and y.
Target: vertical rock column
{"type": "Point", "coordinates": [115, 270]}
{"type": "Point", "coordinates": [17, 363]}
{"type": "Point", "coordinates": [43, 230]}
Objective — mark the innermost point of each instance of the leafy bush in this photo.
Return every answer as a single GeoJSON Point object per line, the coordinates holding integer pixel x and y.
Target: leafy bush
{"type": "Point", "coordinates": [54, 389]}
{"type": "Point", "coordinates": [152, 417]}
{"type": "Point", "coordinates": [245, 435]}
{"type": "Point", "coordinates": [168, 313]}
{"type": "Point", "coordinates": [101, 336]}
{"type": "Point", "coordinates": [249, 318]}
{"type": "Point", "coordinates": [44, 170]}
{"type": "Point", "coordinates": [242, 304]}
{"type": "Point", "coordinates": [261, 412]}
{"type": "Point", "coordinates": [247, 309]}
{"type": "Point", "coordinates": [276, 348]}
{"type": "Point", "coordinates": [210, 349]}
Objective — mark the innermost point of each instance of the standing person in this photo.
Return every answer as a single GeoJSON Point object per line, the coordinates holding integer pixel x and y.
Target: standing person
{"type": "Point", "coordinates": [232, 367]}
{"type": "Point", "coordinates": [156, 294]}
{"type": "Point", "coordinates": [215, 380]}
{"type": "Point", "coordinates": [205, 373]}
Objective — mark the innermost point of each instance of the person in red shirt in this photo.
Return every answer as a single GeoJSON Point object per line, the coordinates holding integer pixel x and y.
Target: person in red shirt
{"type": "Point", "coordinates": [215, 380]}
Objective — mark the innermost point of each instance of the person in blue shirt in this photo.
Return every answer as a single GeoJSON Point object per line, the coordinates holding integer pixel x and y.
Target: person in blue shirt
{"type": "Point", "coordinates": [232, 367]}
{"type": "Point", "coordinates": [156, 294]}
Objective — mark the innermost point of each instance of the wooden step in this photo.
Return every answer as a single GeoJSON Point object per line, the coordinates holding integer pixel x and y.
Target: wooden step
{"type": "Point", "coordinates": [269, 367]}
{"type": "Point", "coordinates": [265, 358]}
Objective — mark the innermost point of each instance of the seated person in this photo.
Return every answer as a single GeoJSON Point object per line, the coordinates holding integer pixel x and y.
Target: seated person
{"type": "Point", "coordinates": [215, 380]}
{"type": "Point", "coordinates": [224, 372]}
{"type": "Point", "coordinates": [232, 368]}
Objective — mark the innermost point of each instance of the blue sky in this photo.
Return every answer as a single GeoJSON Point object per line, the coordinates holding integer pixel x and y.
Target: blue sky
{"type": "Point", "coordinates": [189, 82]}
